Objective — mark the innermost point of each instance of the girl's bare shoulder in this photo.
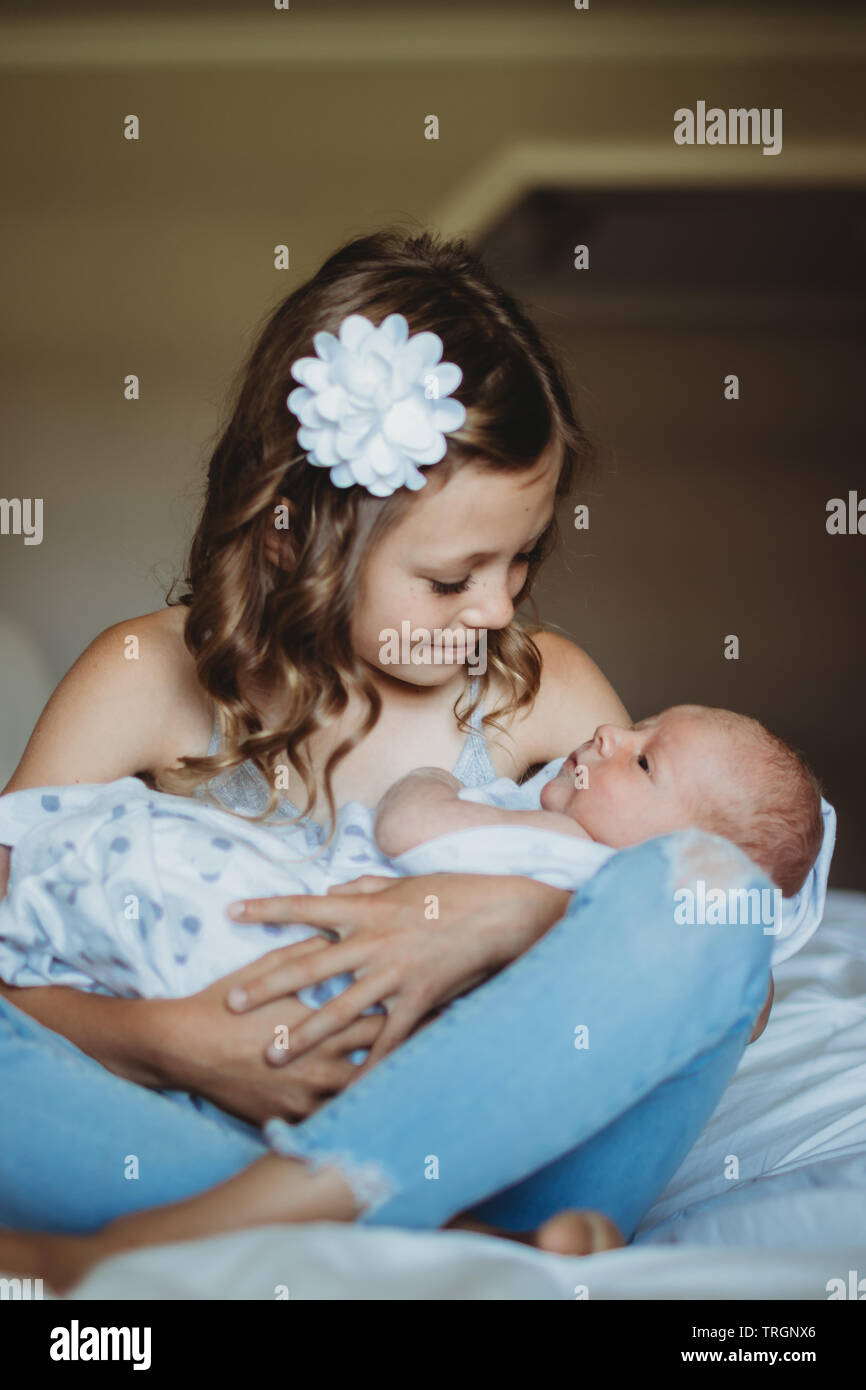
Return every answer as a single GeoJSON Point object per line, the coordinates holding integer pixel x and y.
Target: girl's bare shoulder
{"type": "Point", "coordinates": [174, 669]}
{"type": "Point", "coordinates": [574, 697]}
{"type": "Point", "coordinates": [130, 704]}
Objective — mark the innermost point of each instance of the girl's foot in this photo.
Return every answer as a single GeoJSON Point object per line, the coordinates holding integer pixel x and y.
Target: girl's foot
{"type": "Point", "coordinates": [569, 1232]}
{"type": "Point", "coordinates": [58, 1260]}
{"type": "Point", "coordinates": [579, 1233]}
{"type": "Point", "coordinates": [271, 1190]}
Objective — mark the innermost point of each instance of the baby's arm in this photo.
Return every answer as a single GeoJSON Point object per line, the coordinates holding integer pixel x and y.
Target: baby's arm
{"type": "Point", "coordinates": [425, 804]}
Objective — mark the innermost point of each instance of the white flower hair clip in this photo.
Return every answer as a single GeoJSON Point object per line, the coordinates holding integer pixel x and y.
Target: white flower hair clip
{"type": "Point", "coordinates": [373, 404]}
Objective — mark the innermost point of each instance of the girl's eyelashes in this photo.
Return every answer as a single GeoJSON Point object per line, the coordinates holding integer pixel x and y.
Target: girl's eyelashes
{"type": "Point", "coordinates": [439, 586]}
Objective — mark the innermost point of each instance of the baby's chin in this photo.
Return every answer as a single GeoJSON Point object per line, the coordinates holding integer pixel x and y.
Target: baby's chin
{"type": "Point", "coordinates": [556, 794]}
{"type": "Point", "coordinates": [548, 796]}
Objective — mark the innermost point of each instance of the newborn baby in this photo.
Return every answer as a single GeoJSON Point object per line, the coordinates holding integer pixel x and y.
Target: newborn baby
{"type": "Point", "coordinates": [117, 888]}
{"type": "Point", "coordinates": [689, 767]}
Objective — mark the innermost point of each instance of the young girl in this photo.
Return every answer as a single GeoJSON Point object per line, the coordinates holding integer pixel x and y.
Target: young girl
{"type": "Point", "coordinates": [390, 487]}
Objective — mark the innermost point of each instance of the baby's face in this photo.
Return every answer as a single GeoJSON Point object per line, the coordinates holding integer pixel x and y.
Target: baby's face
{"type": "Point", "coordinates": [643, 781]}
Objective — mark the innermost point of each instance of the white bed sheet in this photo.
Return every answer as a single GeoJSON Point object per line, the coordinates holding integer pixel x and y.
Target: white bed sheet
{"type": "Point", "coordinates": [794, 1218]}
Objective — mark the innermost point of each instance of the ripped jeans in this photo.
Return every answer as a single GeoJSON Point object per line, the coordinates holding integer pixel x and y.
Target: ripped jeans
{"type": "Point", "coordinates": [580, 1076]}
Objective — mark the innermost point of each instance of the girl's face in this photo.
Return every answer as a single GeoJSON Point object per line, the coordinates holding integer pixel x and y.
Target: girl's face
{"type": "Point", "coordinates": [456, 562]}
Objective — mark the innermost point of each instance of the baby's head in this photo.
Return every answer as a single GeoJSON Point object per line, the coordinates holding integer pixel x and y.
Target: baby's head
{"type": "Point", "coordinates": [694, 767]}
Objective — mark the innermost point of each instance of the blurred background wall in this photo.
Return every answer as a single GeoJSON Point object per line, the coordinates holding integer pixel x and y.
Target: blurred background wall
{"type": "Point", "coordinates": [305, 127]}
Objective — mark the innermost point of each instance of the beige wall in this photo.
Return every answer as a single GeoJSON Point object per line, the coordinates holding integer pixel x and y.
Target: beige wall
{"type": "Point", "coordinates": [156, 258]}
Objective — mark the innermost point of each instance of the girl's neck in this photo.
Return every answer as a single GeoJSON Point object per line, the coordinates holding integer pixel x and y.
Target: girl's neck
{"type": "Point", "coordinates": [416, 728]}
{"type": "Point", "coordinates": [395, 695]}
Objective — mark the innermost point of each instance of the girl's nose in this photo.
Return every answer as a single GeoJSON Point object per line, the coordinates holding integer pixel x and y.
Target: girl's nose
{"type": "Point", "coordinates": [493, 610]}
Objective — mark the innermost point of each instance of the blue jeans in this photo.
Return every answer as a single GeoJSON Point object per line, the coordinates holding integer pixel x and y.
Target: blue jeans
{"type": "Point", "coordinates": [579, 1076]}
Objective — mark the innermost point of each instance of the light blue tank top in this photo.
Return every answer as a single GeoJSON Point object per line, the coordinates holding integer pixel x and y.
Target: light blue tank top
{"type": "Point", "coordinates": [244, 788]}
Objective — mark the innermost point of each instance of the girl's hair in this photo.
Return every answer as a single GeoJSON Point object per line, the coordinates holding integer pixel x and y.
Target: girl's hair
{"type": "Point", "coordinates": [289, 630]}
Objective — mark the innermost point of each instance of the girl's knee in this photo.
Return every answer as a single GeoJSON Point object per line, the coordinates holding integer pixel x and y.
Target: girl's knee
{"type": "Point", "coordinates": [687, 869]}
{"type": "Point", "coordinates": [727, 908]}
{"type": "Point", "coordinates": [692, 901]}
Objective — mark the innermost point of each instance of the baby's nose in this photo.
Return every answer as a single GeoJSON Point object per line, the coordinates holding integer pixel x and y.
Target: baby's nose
{"type": "Point", "coordinates": [608, 738]}
{"type": "Point", "coordinates": [604, 739]}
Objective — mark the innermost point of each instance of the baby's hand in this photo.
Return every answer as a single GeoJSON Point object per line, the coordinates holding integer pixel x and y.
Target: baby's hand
{"type": "Point", "coordinates": [411, 810]}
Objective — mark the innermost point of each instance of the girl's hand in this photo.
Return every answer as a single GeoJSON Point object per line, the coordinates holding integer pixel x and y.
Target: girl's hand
{"type": "Point", "coordinates": [412, 943]}
{"type": "Point", "coordinates": [214, 1053]}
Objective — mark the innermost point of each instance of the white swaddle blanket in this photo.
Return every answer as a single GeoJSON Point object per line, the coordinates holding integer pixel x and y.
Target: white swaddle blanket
{"type": "Point", "coordinates": [118, 889]}
{"type": "Point", "coordinates": [121, 890]}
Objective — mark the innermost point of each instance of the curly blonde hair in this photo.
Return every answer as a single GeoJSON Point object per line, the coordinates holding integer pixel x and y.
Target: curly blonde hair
{"type": "Point", "coordinates": [289, 629]}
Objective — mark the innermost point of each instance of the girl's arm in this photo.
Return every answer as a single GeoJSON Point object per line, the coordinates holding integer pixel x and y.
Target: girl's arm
{"type": "Point", "coordinates": [107, 719]}
{"type": "Point", "coordinates": [112, 717]}
{"type": "Point", "coordinates": [123, 1034]}
{"type": "Point", "coordinates": [112, 713]}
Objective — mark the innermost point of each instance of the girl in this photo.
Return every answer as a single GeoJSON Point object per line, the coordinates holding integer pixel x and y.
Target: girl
{"type": "Point", "coordinates": [319, 534]}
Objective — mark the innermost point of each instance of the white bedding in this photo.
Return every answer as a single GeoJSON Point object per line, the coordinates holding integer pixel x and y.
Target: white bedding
{"type": "Point", "coordinates": [795, 1116]}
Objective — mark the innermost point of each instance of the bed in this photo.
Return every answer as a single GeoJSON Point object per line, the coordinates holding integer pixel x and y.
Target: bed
{"type": "Point", "coordinates": [787, 1221]}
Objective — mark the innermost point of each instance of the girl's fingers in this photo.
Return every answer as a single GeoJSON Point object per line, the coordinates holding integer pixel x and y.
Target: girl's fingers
{"type": "Point", "coordinates": [341, 914]}
{"type": "Point", "coordinates": [397, 1028]}
{"type": "Point", "coordinates": [367, 883]}
{"type": "Point", "coordinates": [362, 1033]}
{"type": "Point", "coordinates": [332, 1076]}
{"type": "Point", "coordinates": [258, 972]}
{"type": "Point", "coordinates": [276, 981]}
{"type": "Point", "coordinates": [405, 1017]}
{"type": "Point", "coordinates": [303, 948]}
{"type": "Point", "coordinates": [336, 1015]}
